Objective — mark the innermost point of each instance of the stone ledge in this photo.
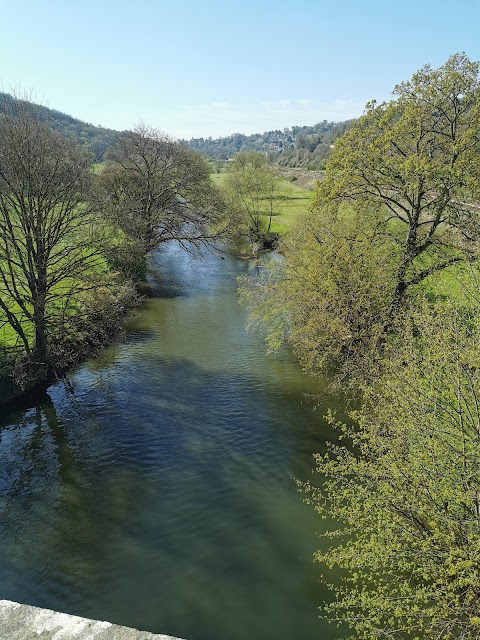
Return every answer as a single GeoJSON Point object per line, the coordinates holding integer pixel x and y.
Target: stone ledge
{"type": "Point", "coordinates": [23, 622]}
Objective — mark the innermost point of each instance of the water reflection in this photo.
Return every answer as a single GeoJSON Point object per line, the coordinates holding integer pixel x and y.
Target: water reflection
{"type": "Point", "coordinates": [157, 491]}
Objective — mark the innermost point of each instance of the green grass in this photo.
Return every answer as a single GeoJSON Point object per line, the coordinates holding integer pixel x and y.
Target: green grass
{"type": "Point", "coordinates": [218, 178]}
{"type": "Point", "coordinates": [8, 337]}
{"type": "Point", "coordinates": [457, 282]}
{"type": "Point", "coordinates": [292, 202]}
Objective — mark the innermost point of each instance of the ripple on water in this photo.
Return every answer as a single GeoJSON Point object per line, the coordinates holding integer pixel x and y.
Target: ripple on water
{"type": "Point", "coordinates": [155, 489]}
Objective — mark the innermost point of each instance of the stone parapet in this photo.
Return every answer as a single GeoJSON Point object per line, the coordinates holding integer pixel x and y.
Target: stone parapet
{"type": "Point", "coordinates": [23, 622]}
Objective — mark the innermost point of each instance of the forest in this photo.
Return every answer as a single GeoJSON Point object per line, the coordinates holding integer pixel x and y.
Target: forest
{"type": "Point", "coordinates": [307, 147]}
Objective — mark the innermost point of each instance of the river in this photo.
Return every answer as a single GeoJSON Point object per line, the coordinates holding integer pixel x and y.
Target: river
{"type": "Point", "coordinates": [155, 487]}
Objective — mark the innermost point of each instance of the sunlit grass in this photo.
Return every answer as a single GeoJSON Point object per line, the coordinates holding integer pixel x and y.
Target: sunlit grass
{"type": "Point", "coordinates": [291, 201]}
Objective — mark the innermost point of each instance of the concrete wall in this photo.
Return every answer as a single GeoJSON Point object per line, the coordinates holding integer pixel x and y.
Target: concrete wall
{"type": "Point", "coordinates": [22, 622]}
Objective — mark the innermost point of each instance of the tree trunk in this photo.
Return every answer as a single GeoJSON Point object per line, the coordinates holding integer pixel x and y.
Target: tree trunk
{"type": "Point", "coordinates": [39, 356]}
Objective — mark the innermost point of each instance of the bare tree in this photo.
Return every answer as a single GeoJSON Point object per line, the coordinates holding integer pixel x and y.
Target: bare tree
{"type": "Point", "coordinates": [47, 252]}
{"type": "Point", "coordinates": [156, 189]}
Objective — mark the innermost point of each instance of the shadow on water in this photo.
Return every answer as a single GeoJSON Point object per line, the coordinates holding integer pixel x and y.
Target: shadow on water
{"type": "Point", "coordinates": [158, 491]}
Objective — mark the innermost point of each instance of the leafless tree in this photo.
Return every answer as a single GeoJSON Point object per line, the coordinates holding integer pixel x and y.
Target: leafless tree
{"type": "Point", "coordinates": [156, 189]}
{"type": "Point", "coordinates": [47, 248]}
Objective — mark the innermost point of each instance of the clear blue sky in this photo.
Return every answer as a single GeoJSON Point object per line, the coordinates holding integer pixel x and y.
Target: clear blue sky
{"type": "Point", "coordinates": [205, 67]}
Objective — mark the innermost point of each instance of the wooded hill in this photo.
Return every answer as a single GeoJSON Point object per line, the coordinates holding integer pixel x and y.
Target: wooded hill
{"type": "Point", "coordinates": [307, 147]}
{"type": "Point", "coordinates": [98, 138]}
{"type": "Point", "coordinates": [296, 147]}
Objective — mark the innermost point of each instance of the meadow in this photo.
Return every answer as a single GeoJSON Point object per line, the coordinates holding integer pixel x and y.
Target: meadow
{"type": "Point", "coordinates": [291, 202]}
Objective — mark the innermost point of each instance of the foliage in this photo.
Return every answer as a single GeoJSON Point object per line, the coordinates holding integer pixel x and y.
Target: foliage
{"type": "Point", "coordinates": [406, 168]}
{"type": "Point", "coordinates": [327, 298]}
{"type": "Point", "coordinates": [251, 189]}
{"type": "Point", "coordinates": [406, 492]}
{"type": "Point", "coordinates": [417, 160]}
{"type": "Point", "coordinates": [293, 147]}
{"type": "Point", "coordinates": [95, 323]}
{"type": "Point", "coordinates": [155, 190]}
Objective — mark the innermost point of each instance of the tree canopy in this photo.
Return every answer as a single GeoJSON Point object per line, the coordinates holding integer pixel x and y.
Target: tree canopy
{"type": "Point", "coordinates": [417, 160]}
{"type": "Point", "coordinates": [405, 488]}
{"type": "Point", "coordinates": [397, 205]}
{"type": "Point", "coordinates": [327, 297]}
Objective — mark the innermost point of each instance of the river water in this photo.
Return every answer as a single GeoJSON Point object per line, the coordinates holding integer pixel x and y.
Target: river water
{"type": "Point", "coordinates": [155, 487]}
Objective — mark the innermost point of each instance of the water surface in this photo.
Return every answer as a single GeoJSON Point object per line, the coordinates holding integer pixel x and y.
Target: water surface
{"type": "Point", "coordinates": [155, 488]}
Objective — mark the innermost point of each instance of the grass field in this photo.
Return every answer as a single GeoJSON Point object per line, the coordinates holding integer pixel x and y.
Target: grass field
{"type": "Point", "coordinates": [458, 283]}
{"type": "Point", "coordinates": [292, 201]}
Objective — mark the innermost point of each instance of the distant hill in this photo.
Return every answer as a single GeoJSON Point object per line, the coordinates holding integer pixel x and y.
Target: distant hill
{"type": "Point", "coordinates": [296, 147]}
{"type": "Point", "coordinates": [98, 138]}
{"type": "Point", "coordinates": [306, 147]}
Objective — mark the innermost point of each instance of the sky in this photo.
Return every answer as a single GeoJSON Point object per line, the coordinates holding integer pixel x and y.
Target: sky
{"type": "Point", "coordinates": [199, 68]}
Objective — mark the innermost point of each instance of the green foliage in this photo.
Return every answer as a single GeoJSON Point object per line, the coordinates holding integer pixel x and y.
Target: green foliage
{"type": "Point", "coordinates": [390, 213]}
{"type": "Point", "coordinates": [328, 297]}
{"type": "Point", "coordinates": [406, 490]}
{"type": "Point", "coordinates": [251, 189]}
{"type": "Point", "coordinates": [394, 219]}
{"type": "Point", "coordinates": [417, 160]}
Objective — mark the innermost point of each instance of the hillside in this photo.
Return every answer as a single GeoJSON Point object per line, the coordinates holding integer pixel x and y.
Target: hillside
{"type": "Point", "coordinates": [98, 138]}
{"type": "Point", "coordinates": [307, 147]}
{"type": "Point", "coordinates": [296, 147]}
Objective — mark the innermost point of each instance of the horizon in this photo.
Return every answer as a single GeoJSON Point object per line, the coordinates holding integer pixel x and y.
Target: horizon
{"type": "Point", "coordinates": [212, 70]}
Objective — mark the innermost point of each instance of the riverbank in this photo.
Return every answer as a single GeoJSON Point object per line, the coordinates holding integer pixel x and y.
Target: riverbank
{"type": "Point", "coordinates": [93, 332]}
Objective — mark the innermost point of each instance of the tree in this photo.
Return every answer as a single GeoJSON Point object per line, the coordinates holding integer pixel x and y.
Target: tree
{"type": "Point", "coordinates": [158, 190]}
{"type": "Point", "coordinates": [417, 160]}
{"type": "Point", "coordinates": [397, 205]}
{"type": "Point", "coordinates": [327, 298]}
{"type": "Point", "coordinates": [47, 247]}
{"type": "Point", "coordinates": [405, 491]}
{"type": "Point", "coordinates": [251, 187]}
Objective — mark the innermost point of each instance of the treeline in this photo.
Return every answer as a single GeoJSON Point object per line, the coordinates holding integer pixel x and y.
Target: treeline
{"type": "Point", "coordinates": [74, 242]}
{"type": "Point", "coordinates": [380, 291]}
{"type": "Point", "coordinates": [97, 138]}
{"type": "Point", "coordinates": [307, 147]}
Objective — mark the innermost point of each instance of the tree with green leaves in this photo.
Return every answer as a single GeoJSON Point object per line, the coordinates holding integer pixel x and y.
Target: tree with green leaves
{"type": "Point", "coordinates": [404, 488]}
{"type": "Point", "coordinates": [251, 187]}
{"type": "Point", "coordinates": [397, 205]}
{"type": "Point", "coordinates": [327, 298]}
{"type": "Point", "coordinates": [416, 160]}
